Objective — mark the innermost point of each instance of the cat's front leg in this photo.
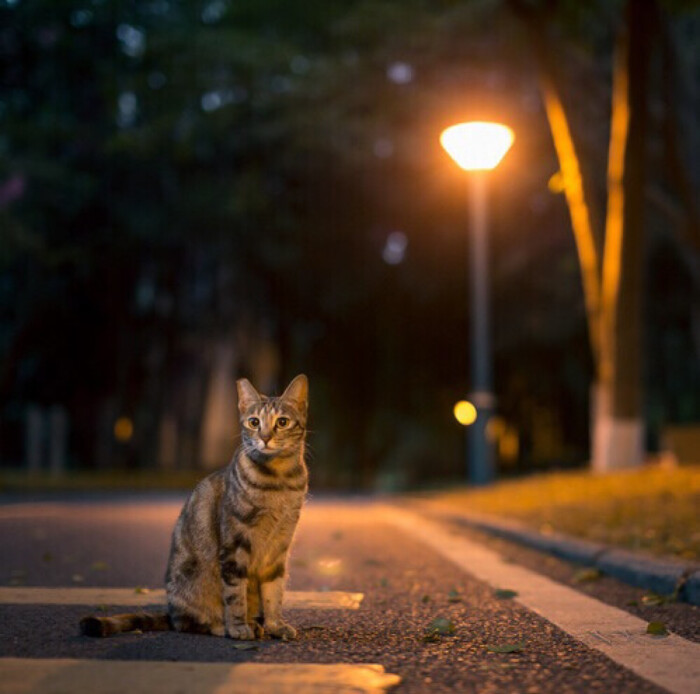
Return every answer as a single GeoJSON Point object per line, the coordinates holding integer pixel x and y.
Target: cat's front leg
{"type": "Point", "coordinates": [272, 591]}
{"type": "Point", "coordinates": [234, 575]}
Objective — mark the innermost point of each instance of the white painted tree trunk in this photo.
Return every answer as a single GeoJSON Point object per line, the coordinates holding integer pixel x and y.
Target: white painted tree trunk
{"type": "Point", "coordinates": [616, 443]}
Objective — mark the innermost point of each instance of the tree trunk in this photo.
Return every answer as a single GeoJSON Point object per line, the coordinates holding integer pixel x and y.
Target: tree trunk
{"type": "Point", "coordinates": [618, 426]}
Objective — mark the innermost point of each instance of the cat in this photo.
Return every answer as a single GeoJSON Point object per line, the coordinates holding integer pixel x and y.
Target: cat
{"type": "Point", "coordinates": [228, 557]}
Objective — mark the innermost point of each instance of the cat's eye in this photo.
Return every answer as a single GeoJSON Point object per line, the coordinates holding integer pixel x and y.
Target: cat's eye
{"type": "Point", "coordinates": [253, 422]}
{"type": "Point", "coordinates": [282, 422]}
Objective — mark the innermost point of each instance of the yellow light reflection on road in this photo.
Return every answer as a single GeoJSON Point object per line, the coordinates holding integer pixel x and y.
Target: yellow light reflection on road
{"type": "Point", "coordinates": [329, 566]}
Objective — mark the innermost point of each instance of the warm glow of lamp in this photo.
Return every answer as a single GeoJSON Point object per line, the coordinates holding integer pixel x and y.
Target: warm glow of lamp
{"type": "Point", "coordinates": [477, 146]}
{"type": "Point", "coordinates": [123, 429]}
{"type": "Point", "coordinates": [465, 412]}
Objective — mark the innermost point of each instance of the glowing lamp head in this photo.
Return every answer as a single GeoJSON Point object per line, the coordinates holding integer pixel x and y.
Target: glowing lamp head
{"type": "Point", "coordinates": [477, 146]}
{"type": "Point", "coordinates": [465, 413]}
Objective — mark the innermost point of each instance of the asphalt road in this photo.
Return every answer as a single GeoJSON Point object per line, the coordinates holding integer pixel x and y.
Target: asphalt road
{"type": "Point", "coordinates": [340, 545]}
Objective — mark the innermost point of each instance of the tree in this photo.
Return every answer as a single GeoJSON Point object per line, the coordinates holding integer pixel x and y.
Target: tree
{"type": "Point", "coordinates": [611, 254]}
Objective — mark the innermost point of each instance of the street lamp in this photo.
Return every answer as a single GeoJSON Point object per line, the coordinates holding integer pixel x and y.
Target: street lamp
{"type": "Point", "coordinates": [479, 147]}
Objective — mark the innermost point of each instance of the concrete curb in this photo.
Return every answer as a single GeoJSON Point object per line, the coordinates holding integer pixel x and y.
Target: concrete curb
{"type": "Point", "coordinates": [658, 575]}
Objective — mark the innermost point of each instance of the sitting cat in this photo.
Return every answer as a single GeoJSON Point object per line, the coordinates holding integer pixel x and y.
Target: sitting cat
{"type": "Point", "coordinates": [228, 557]}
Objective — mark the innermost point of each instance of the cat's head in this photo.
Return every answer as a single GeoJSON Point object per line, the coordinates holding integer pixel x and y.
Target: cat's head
{"type": "Point", "coordinates": [273, 427]}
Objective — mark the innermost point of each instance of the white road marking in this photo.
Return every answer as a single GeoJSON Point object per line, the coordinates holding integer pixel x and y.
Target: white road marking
{"type": "Point", "coordinates": [293, 600]}
{"type": "Point", "coordinates": [671, 662]}
{"type": "Point", "coordinates": [58, 676]}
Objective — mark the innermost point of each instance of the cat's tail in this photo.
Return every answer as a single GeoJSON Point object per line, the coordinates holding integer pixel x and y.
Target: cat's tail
{"type": "Point", "coordinates": [120, 623]}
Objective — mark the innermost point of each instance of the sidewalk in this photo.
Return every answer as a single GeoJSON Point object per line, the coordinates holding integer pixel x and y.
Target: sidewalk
{"type": "Point", "coordinates": [640, 526]}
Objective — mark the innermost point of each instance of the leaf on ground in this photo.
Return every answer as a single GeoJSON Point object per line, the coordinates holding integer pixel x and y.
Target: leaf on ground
{"type": "Point", "coordinates": [654, 599]}
{"type": "Point", "coordinates": [99, 566]}
{"type": "Point", "coordinates": [506, 647]}
{"type": "Point", "coordinates": [141, 590]}
{"type": "Point", "coordinates": [657, 629]}
{"type": "Point", "coordinates": [77, 578]}
{"type": "Point", "coordinates": [425, 598]}
{"type": "Point", "coordinates": [440, 626]}
{"type": "Point", "coordinates": [454, 596]}
{"type": "Point", "coordinates": [632, 603]}
{"type": "Point", "coordinates": [587, 575]}
{"type": "Point", "coordinates": [505, 593]}
{"type": "Point", "coordinates": [136, 631]}
{"type": "Point", "coordinates": [245, 646]}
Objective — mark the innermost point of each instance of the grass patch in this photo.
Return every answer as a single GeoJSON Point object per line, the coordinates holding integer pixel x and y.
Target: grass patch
{"type": "Point", "coordinates": [654, 508]}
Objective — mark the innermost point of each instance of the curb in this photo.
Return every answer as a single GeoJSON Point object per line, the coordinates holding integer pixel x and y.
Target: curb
{"type": "Point", "coordinates": [658, 575]}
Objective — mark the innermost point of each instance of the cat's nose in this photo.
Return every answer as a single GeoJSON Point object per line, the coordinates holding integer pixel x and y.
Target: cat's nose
{"type": "Point", "coordinates": [265, 436]}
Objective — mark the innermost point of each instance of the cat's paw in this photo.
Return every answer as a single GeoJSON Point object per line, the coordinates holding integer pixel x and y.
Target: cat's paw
{"type": "Point", "coordinates": [281, 630]}
{"type": "Point", "coordinates": [217, 630]}
{"type": "Point", "coordinates": [258, 630]}
{"type": "Point", "coordinates": [240, 632]}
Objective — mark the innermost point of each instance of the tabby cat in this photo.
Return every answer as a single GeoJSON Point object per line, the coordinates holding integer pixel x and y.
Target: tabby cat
{"type": "Point", "coordinates": [228, 557]}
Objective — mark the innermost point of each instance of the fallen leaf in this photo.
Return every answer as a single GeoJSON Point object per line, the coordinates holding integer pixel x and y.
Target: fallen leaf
{"type": "Point", "coordinates": [657, 629]}
{"type": "Point", "coordinates": [136, 631]}
{"type": "Point", "coordinates": [587, 575]}
{"type": "Point", "coordinates": [440, 626]}
{"type": "Point", "coordinates": [654, 599]}
{"type": "Point", "coordinates": [505, 593]}
{"type": "Point", "coordinates": [245, 646]}
{"type": "Point", "coordinates": [506, 647]}
{"type": "Point", "coordinates": [454, 596]}
{"type": "Point", "coordinates": [141, 590]}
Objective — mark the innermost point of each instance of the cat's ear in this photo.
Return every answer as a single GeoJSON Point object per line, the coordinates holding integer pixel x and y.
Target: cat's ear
{"type": "Point", "coordinates": [298, 392]}
{"type": "Point", "coordinates": [247, 395]}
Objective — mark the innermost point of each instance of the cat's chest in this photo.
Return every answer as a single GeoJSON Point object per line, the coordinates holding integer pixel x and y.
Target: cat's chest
{"type": "Point", "coordinates": [273, 526]}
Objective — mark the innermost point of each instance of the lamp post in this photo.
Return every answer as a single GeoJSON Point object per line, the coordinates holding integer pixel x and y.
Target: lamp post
{"type": "Point", "coordinates": [478, 147]}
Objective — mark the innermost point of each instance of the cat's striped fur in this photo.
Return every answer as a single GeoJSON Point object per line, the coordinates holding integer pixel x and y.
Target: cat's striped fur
{"type": "Point", "coordinates": [228, 557]}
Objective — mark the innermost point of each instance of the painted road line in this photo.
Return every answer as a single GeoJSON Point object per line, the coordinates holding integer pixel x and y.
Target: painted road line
{"type": "Point", "coordinates": [671, 662]}
{"type": "Point", "coordinates": [57, 676]}
{"type": "Point", "coordinates": [293, 599]}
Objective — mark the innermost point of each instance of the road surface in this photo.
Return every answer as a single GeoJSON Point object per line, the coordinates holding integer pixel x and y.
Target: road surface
{"type": "Point", "coordinates": [410, 606]}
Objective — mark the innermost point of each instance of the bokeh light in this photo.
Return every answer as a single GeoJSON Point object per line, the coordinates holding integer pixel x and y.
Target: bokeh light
{"type": "Point", "coordinates": [465, 412]}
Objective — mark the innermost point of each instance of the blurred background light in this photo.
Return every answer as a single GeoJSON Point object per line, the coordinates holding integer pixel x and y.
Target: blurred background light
{"type": "Point", "coordinates": [395, 248]}
{"type": "Point", "coordinates": [123, 429]}
{"type": "Point", "coordinates": [400, 73]}
{"type": "Point", "coordinates": [465, 413]}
